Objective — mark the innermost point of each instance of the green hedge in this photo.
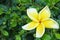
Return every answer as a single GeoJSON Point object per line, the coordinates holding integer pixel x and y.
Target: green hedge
{"type": "Point", "coordinates": [13, 16]}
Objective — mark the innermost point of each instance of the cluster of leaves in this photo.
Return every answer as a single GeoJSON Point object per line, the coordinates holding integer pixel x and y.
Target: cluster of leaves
{"type": "Point", "coordinates": [13, 16]}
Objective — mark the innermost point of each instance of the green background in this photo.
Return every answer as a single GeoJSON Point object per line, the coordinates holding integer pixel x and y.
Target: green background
{"type": "Point", "coordinates": [13, 16]}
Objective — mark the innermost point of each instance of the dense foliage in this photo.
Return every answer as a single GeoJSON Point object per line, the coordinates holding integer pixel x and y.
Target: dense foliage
{"type": "Point", "coordinates": [13, 16]}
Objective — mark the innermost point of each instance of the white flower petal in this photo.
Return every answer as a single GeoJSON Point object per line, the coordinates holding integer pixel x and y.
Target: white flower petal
{"type": "Point", "coordinates": [32, 14]}
{"type": "Point", "coordinates": [30, 26]}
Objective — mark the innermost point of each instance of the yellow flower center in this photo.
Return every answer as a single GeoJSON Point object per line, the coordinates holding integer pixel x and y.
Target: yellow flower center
{"type": "Point", "coordinates": [40, 21]}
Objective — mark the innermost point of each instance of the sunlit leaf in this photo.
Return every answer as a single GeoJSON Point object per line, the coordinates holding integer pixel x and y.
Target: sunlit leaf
{"type": "Point", "coordinates": [46, 37]}
{"type": "Point", "coordinates": [17, 37]}
{"type": "Point", "coordinates": [5, 33]}
{"type": "Point", "coordinates": [57, 35]}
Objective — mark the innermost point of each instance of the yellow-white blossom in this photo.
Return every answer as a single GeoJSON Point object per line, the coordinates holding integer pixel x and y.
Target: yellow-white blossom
{"type": "Point", "coordinates": [40, 21]}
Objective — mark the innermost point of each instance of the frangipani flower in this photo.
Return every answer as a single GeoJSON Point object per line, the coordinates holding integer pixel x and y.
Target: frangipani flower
{"type": "Point", "coordinates": [40, 21]}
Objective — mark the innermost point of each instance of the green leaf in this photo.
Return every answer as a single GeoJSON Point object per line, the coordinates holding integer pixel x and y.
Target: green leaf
{"type": "Point", "coordinates": [13, 24]}
{"type": "Point", "coordinates": [1, 11]}
{"type": "Point", "coordinates": [25, 2]}
{"type": "Point", "coordinates": [1, 21]}
{"type": "Point", "coordinates": [17, 37]}
{"type": "Point", "coordinates": [46, 37]}
{"type": "Point", "coordinates": [21, 32]}
{"type": "Point", "coordinates": [37, 39]}
{"type": "Point", "coordinates": [57, 35]}
{"type": "Point", "coordinates": [5, 33]}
